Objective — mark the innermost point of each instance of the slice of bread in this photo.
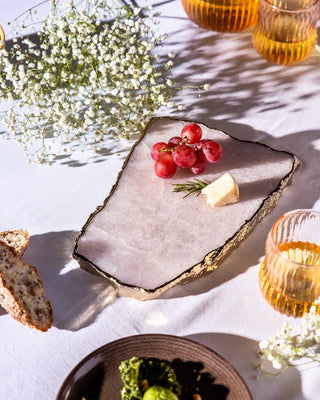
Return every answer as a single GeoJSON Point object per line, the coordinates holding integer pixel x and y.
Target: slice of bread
{"type": "Point", "coordinates": [17, 239]}
{"type": "Point", "coordinates": [22, 292]}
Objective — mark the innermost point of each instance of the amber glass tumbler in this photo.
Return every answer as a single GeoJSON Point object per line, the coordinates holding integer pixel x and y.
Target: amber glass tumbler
{"type": "Point", "coordinates": [2, 37]}
{"type": "Point", "coordinates": [290, 273]}
{"type": "Point", "coordinates": [286, 30]}
{"type": "Point", "coordinates": [222, 15]}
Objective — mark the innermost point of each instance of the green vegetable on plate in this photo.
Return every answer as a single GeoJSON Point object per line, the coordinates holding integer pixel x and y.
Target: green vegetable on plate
{"type": "Point", "coordinates": [159, 393]}
{"type": "Point", "coordinates": [148, 379]}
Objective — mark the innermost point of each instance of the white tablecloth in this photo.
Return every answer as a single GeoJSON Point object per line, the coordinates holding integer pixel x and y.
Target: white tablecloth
{"type": "Point", "coordinates": [248, 98]}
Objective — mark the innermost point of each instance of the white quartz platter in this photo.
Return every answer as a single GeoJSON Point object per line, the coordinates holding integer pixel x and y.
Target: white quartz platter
{"type": "Point", "coordinates": [146, 238]}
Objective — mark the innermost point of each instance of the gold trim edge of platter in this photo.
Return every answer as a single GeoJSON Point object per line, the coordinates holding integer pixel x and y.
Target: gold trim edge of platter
{"type": "Point", "coordinates": [212, 260]}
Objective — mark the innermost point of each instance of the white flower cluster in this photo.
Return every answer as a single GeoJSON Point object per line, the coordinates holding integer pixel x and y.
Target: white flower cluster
{"type": "Point", "coordinates": [285, 350]}
{"type": "Point", "coordinates": [93, 72]}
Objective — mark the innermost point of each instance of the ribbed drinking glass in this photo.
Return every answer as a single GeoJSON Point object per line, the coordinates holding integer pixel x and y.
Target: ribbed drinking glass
{"type": "Point", "coordinates": [286, 30]}
{"type": "Point", "coordinates": [222, 15]}
{"type": "Point", "coordinates": [290, 273]}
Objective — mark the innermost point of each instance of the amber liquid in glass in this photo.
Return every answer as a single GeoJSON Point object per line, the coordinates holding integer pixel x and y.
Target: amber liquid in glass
{"type": "Point", "coordinates": [284, 53]}
{"type": "Point", "coordinates": [295, 303]}
{"type": "Point", "coordinates": [222, 15]}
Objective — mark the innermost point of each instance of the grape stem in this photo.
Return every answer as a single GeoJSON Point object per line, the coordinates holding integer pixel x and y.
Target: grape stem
{"type": "Point", "coordinates": [171, 148]}
{"type": "Point", "coordinates": [189, 187]}
{"type": "Point", "coordinates": [166, 149]}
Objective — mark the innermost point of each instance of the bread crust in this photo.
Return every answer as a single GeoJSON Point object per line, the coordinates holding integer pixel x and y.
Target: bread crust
{"type": "Point", "coordinates": [17, 239]}
{"type": "Point", "coordinates": [22, 292]}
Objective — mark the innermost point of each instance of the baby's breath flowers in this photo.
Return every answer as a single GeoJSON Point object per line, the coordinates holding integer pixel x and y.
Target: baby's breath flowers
{"type": "Point", "coordinates": [86, 74]}
{"type": "Point", "coordinates": [285, 350]}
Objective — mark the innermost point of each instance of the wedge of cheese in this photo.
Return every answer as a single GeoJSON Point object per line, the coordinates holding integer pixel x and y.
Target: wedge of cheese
{"type": "Point", "coordinates": [222, 191]}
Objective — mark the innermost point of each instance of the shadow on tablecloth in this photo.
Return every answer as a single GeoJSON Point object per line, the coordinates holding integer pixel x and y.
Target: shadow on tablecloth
{"type": "Point", "coordinates": [76, 296]}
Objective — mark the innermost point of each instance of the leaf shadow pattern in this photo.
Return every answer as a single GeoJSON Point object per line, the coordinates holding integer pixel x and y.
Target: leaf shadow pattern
{"type": "Point", "coordinates": [194, 380]}
{"type": "Point", "coordinates": [239, 352]}
{"type": "Point", "coordinates": [241, 81]}
{"type": "Point", "coordinates": [76, 297]}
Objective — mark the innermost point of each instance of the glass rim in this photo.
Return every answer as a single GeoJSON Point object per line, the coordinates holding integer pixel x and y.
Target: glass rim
{"type": "Point", "coordinates": [314, 4]}
{"type": "Point", "coordinates": [214, 2]}
{"type": "Point", "coordinates": [275, 225]}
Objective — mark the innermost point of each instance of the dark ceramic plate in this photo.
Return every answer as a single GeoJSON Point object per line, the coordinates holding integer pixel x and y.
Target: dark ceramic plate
{"type": "Point", "coordinates": [198, 369]}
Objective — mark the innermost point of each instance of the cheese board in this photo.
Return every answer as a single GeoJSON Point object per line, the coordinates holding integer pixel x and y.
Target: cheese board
{"type": "Point", "coordinates": [145, 238]}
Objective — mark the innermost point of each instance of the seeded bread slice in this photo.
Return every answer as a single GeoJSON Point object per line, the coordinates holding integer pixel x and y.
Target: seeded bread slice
{"type": "Point", "coordinates": [17, 239]}
{"type": "Point", "coordinates": [22, 292]}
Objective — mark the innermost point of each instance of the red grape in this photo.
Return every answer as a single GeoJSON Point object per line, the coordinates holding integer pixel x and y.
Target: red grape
{"type": "Point", "coordinates": [174, 141]}
{"type": "Point", "coordinates": [184, 156]}
{"type": "Point", "coordinates": [156, 152]}
{"type": "Point", "coordinates": [191, 133]}
{"type": "Point", "coordinates": [211, 151]}
{"type": "Point", "coordinates": [165, 167]}
{"type": "Point", "coordinates": [187, 151]}
{"type": "Point", "coordinates": [199, 144]}
{"type": "Point", "coordinates": [199, 166]}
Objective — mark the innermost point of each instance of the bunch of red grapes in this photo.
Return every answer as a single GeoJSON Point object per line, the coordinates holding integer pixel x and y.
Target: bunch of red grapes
{"type": "Point", "coordinates": [185, 151]}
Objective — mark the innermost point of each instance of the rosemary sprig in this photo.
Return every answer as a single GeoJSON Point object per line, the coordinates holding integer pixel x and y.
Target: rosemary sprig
{"type": "Point", "coordinates": [189, 187]}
